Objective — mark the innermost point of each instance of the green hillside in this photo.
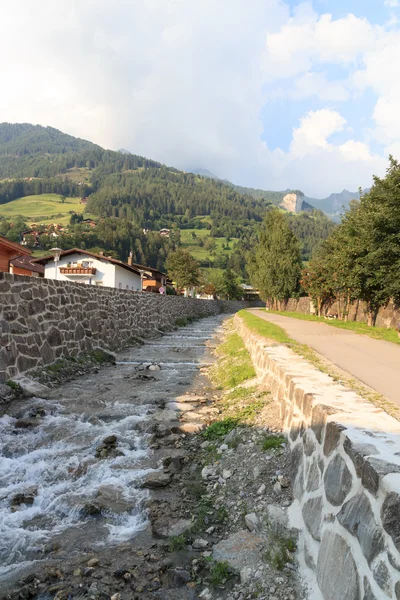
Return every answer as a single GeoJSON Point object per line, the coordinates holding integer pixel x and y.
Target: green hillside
{"type": "Point", "coordinates": [43, 208]}
{"type": "Point", "coordinates": [131, 198]}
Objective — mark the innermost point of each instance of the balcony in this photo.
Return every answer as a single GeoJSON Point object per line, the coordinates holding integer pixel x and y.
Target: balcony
{"type": "Point", "coordinates": [78, 270]}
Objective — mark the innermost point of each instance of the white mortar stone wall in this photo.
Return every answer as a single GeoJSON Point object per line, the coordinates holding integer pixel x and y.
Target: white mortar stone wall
{"type": "Point", "coordinates": [345, 475]}
{"type": "Point", "coordinates": [42, 320]}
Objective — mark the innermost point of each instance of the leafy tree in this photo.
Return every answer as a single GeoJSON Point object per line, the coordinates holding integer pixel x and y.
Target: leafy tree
{"type": "Point", "coordinates": [183, 269]}
{"type": "Point", "coordinates": [275, 263]}
{"type": "Point", "coordinates": [317, 278]}
{"type": "Point", "coordinates": [369, 239]}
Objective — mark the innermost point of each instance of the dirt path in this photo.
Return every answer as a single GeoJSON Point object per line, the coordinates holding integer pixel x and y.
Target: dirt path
{"type": "Point", "coordinates": [374, 362]}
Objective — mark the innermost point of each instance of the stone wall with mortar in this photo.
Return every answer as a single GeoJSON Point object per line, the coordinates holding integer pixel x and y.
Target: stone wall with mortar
{"type": "Point", "coordinates": [42, 320]}
{"type": "Point", "coordinates": [345, 476]}
{"type": "Point", "coordinates": [389, 316]}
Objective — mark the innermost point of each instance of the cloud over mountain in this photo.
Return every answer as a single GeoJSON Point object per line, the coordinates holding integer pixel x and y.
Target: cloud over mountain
{"type": "Point", "coordinates": [187, 83]}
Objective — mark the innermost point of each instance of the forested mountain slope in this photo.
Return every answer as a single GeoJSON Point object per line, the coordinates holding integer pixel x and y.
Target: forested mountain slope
{"type": "Point", "coordinates": [129, 193]}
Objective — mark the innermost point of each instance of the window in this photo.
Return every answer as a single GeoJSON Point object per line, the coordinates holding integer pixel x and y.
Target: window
{"type": "Point", "coordinates": [120, 285]}
{"type": "Point", "coordinates": [127, 287]}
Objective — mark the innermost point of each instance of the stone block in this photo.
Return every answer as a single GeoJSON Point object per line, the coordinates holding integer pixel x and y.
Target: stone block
{"type": "Point", "coordinates": [337, 573]}
{"type": "Point", "coordinates": [358, 518]}
{"type": "Point", "coordinates": [47, 354]}
{"type": "Point", "coordinates": [308, 400]}
{"type": "Point", "coordinates": [312, 515]}
{"type": "Point", "coordinates": [358, 453]}
{"type": "Point", "coordinates": [374, 470]}
{"type": "Point", "coordinates": [54, 337]}
{"type": "Point", "coordinates": [337, 481]}
{"type": "Point", "coordinates": [332, 437]}
{"type": "Point", "coordinates": [309, 443]}
{"type": "Point", "coordinates": [24, 363]}
{"type": "Point", "coordinates": [320, 413]}
{"type": "Point", "coordinates": [296, 461]}
{"type": "Point", "coordinates": [368, 593]}
{"type": "Point", "coordinates": [313, 476]}
{"type": "Point", "coordinates": [382, 577]}
{"type": "Point", "coordinates": [397, 590]}
{"type": "Point", "coordinates": [390, 516]}
{"type": "Point", "coordinates": [36, 306]}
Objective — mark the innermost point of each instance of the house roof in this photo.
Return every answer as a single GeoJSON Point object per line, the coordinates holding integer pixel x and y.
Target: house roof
{"type": "Point", "coordinates": [13, 247]}
{"type": "Point", "coordinates": [27, 262]}
{"type": "Point", "coordinates": [45, 259]}
{"type": "Point", "coordinates": [144, 268]}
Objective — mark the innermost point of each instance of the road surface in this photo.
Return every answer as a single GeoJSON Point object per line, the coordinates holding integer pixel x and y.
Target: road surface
{"type": "Point", "coordinates": [374, 362]}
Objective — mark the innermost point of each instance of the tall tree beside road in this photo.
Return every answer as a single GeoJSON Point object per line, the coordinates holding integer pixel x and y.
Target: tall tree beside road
{"type": "Point", "coordinates": [363, 261]}
{"type": "Point", "coordinates": [275, 263]}
{"type": "Point", "coordinates": [183, 269]}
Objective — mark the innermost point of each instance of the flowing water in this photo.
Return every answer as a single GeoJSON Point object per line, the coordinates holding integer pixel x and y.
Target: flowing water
{"type": "Point", "coordinates": [52, 481]}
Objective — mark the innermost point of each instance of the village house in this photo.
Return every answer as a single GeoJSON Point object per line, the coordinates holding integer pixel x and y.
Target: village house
{"type": "Point", "coordinates": [30, 232]}
{"type": "Point", "coordinates": [89, 222]}
{"type": "Point", "coordinates": [8, 251]}
{"type": "Point", "coordinates": [24, 265]}
{"type": "Point", "coordinates": [153, 279]}
{"type": "Point", "coordinates": [165, 232]}
{"type": "Point", "coordinates": [85, 267]}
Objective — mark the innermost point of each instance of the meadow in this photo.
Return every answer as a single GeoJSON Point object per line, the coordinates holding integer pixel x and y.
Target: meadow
{"type": "Point", "coordinates": [43, 208]}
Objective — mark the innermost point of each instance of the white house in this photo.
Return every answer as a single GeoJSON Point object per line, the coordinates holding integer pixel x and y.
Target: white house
{"type": "Point", "coordinates": [92, 269]}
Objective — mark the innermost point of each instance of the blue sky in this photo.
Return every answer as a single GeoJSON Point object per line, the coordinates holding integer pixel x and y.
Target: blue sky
{"type": "Point", "coordinates": [274, 94]}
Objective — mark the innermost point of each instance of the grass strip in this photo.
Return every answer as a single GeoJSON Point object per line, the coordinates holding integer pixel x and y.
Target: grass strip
{"type": "Point", "coordinates": [275, 333]}
{"type": "Point", "coordinates": [377, 333]}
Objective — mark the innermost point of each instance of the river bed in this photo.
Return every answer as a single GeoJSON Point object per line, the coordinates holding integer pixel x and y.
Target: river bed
{"type": "Point", "coordinates": [71, 464]}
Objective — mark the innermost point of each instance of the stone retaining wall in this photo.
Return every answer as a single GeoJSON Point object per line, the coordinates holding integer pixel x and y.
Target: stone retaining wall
{"type": "Point", "coordinates": [386, 317]}
{"type": "Point", "coordinates": [345, 476]}
{"type": "Point", "coordinates": [42, 320]}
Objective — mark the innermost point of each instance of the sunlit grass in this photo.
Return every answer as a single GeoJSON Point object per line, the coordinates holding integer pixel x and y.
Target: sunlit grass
{"type": "Point", "coordinates": [378, 333]}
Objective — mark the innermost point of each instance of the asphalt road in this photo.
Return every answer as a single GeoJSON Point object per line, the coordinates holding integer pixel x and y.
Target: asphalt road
{"type": "Point", "coordinates": [374, 362]}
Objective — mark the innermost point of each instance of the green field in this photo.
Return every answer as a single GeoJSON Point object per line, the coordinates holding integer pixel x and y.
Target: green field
{"type": "Point", "coordinates": [43, 208]}
{"type": "Point", "coordinates": [200, 252]}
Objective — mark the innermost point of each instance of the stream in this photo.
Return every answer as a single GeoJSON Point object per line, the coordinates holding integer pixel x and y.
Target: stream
{"type": "Point", "coordinates": [71, 464]}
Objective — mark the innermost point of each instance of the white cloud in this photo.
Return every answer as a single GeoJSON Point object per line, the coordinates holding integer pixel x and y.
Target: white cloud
{"type": "Point", "coordinates": [314, 130]}
{"type": "Point", "coordinates": [316, 165]}
{"type": "Point", "coordinates": [392, 3]}
{"type": "Point", "coordinates": [312, 39]}
{"type": "Point", "coordinates": [183, 82]}
{"type": "Point", "coordinates": [317, 84]}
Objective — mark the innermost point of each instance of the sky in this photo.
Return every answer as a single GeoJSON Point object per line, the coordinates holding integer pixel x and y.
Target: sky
{"type": "Point", "coordinates": [273, 94]}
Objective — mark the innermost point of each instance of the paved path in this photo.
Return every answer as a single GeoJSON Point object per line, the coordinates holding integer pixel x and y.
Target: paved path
{"type": "Point", "coordinates": [374, 362]}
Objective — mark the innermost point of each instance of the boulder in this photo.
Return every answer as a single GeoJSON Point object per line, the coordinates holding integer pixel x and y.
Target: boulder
{"type": "Point", "coordinates": [156, 479]}
{"type": "Point", "coordinates": [166, 527]}
{"type": "Point", "coordinates": [251, 521]}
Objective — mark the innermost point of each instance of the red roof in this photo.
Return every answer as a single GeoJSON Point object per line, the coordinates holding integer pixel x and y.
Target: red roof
{"type": "Point", "coordinates": [26, 262]}
{"type": "Point", "coordinates": [12, 247]}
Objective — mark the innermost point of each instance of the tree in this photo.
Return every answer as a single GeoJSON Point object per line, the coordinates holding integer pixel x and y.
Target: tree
{"type": "Point", "coordinates": [317, 279]}
{"type": "Point", "coordinates": [275, 263]}
{"type": "Point", "coordinates": [369, 242]}
{"type": "Point", "coordinates": [183, 269]}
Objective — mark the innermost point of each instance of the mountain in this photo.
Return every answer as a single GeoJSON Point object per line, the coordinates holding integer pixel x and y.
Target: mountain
{"type": "Point", "coordinates": [333, 205]}
{"type": "Point", "coordinates": [23, 138]}
{"type": "Point", "coordinates": [129, 195]}
{"type": "Point", "coordinates": [205, 173]}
